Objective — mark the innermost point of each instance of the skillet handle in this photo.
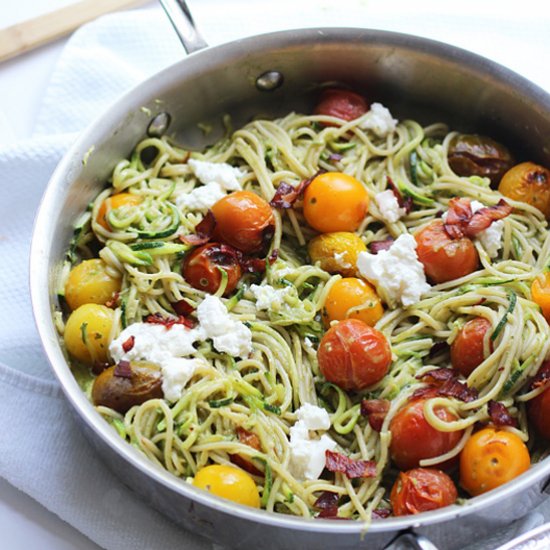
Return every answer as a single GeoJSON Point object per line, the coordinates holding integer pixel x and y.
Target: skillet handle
{"type": "Point", "coordinates": [409, 540]}
{"type": "Point", "coordinates": [182, 21]}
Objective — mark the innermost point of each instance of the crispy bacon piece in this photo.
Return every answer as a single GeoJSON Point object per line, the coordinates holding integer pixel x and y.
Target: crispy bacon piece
{"type": "Point", "coordinates": [381, 513]}
{"type": "Point", "coordinates": [252, 440]}
{"type": "Point", "coordinates": [286, 195]}
{"type": "Point", "coordinates": [438, 347]}
{"type": "Point", "coordinates": [458, 390]}
{"type": "Point", "coordinates": [403, 202]}
{"type": "Point", "coordinates": [158, 319]}
{"type": "Point", "coordinates": [437, 376]}
{"type": "Point", "coordinates": [123, 369]}
{"type": "Point", "coordinates": [183, 307]}
{"type": "Point", "coordinates": [257, 265]}
{"type": "Point", "coordinates": [444, 383]}
{"type": "Point", "coordinates": [542, 377]}
{"type": "Point", "coordinates": [375, 410]}
{"type": "Point", "coordinates": [351, 468]}
{"type": "Point", "coordinates": [327, 503]}
{"type": "Point", "coordinates": [203, 231]}
{"type": "Point", "coordinates": [484, 217]}
{"type": "Point", "coordinates": [377, 246]}
{"type": "Point", "coordinates": [499, 414]}
{"type": "Point", "coordinates": [335, 157]}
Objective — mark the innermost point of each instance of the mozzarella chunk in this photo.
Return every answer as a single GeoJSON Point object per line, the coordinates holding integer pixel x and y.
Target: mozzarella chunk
{"type": "Point", "coordinates": [219, 172]}
{"type": "Point", "coordinates": [389, 206]}
{"type": "Point", "coordinates": [268, 297]}
{"type": "Point", "coordinates": [201, 198]}
{"type": "Point", "coordinates": [378, 119]}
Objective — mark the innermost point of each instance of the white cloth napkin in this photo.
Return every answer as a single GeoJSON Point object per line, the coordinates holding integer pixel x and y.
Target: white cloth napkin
{"type": "Point", "coordinates": [43, 453]}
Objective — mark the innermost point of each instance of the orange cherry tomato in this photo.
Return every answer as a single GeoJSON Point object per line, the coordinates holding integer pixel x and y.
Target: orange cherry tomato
{"type": "Point", "coordinates": [421, 490]}
{"type": "Point", "coordinates": [413, 439]}
{"type": "Point", "coordinates": [491, 458]}
{"type": "Point", "coordinates": [467, 350]}
{"type": "Point", "coordinates": [352, 298]}
{"type": "Point", "coordinates": [228, 482]}
{"type": "Point", "coordinates": [120, 200]}
{"type": "Point", "coordinates": [202, 267]}
{"type": "Point", "coordinates": [337, 252]}
{"type": "Point", "coordinates": [341, 104]}
{"type": "Point", "coordinates": [244, 220]}
{"type": "Point", "coordinates": [334, 201]}
{"type": "Point", "coordinates": [445, 259]}
{"type": "Point", "coordinates": [353, 355]}
{"type": "Point", "coordinates": [528, 182]}
{"type": "Point", "coordinates": [540, 293]}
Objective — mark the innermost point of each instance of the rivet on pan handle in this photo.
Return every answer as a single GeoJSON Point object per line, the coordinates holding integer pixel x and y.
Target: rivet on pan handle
{"type": "Point", "coordinates": [182, 21]}
{"type": "Point", "coordinates": [409, 540]}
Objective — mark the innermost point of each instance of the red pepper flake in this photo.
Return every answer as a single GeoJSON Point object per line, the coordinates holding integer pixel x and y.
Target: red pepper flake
{"type": "Point", "coordinates": [375, 410]}
{"type": "Point", "coordinates": [129, 344]}
{"type": "Point", "coordinates": [327, 503]}
{"type": "Point", "coordinates": [351, 468]}
{"type": "Point", "coordinates": [203, 231]}
{"type": "Point", "coordinates": [113, 301]}
{"type": "Point", "coordinates": [123, 370]}
{"type": "Point", "coordinates": [404, 202]}
{"type": "Point", "coordinates": [158, 319]}
{"type": "Point", "coordinates": [500, 415]}
{"type": "Point", "coordinates": [377, 246]}
{"type": "Point", "coordinates": [286, 195]}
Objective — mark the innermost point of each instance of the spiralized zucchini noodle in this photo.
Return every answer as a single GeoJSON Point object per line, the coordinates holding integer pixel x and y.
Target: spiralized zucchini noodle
{"type": "Point", "coordinates": [262, 392]}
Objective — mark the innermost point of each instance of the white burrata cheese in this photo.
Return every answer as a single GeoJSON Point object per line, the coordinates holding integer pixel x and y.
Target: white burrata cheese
{"type": "Point", "coordinates": [269, 298]}
{"type": "Point", "coordinates": [307, 453]}
{"type": "Point", "coordinates": [201, 198]}
{"type": "Point", "coordinates": [378, 119]}
{"type": "Point", "coordinates": [397, 273]}
{"type": "Point", "coordinates": [490, 238]}
{"type": "Point", "coordinates": [227, 334]}
{"type": "Point", "coordinates": [389, 206]}
{"type": "Point", "coordinates": [176, 372]}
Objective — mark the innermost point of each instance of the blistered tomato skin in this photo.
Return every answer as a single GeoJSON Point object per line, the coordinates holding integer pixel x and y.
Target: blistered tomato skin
{"type": "Point", "coordinates": [334, 201]}
{"type": "Point", "coordinates": [445, 259]}
{"type": "Point", "coordinates": [244, 220]}
{"type": "Point", "coordinates": [353, 355]}
{"type": "Point", "coordinates": [467, 349]}
{"type": "Point", "coordinates": [413, 439]}
{"type": "Point", "coordinates": [491, 458]}
{"type": "Point", "coordinates": [228, 482]}
{"type": "Point", "coordinates": [202, 268]}
{"type": "Point", "coordinates": [540, 293]}
{"type": "Point", "coordinates": [120, 200]}
{"type": "Point", "coordinates": [421, 490]}
{"type": "Point", "coordinates": [341, 104]}
{"type": "Point", "coordinates": [528, 182]}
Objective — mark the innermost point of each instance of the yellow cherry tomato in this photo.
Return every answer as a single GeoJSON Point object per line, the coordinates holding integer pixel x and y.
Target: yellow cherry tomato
{"type": "Point", "coordinates": [528, 182]}
{"type": "Point", "coordinates": [352, 298]}
{"type": "Point", "coordinates": [491, 458]}
{"type": "Point", "coordinates": [334, 201]}
{"type": "Point", "coordinates": [540, 293]}
{"type": "Point", "coordinates": [337, 252]}
{"type": "Point", "coordinates": [90, 283]}
{"type": "Point", "coordinates": [230, 483]}
{"type": "Point", "coordinates": [87, 333]}
{"type": "Point", "coordinates": [120, 200]}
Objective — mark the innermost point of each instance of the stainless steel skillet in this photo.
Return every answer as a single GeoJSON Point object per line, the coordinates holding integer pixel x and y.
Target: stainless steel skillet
{"type": "Point", "coordinates": [272, 75]}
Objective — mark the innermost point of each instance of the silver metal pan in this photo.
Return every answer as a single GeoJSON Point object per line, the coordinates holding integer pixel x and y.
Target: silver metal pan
{"type": "Point", "coordinates": [271, 75]}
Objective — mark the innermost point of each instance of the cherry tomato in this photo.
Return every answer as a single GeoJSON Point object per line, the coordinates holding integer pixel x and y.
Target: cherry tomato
{"type": "Point", "coordinates": [421, 490]}
{"type": "Point", "coordinates": [445, 259]}
{"type": "Point", "coordinates": [413, 439]}
{"type": "Point", "coordinates": [528, 182]}
{"type": "Point", "coordinates": [120, 200]}
{"type": "Point", "coordinates": [540, 293]}
{"type": "Point", "coordinates": [201, 268]}
{"type": "Point", "coordinates": [352, 298]}
{"type": "Point", "coordinates": [491, 458]}
{"type": "Point", "coordinates": [244, 220]}
{"type": "Point", "coordinates": [337, 252]}
{"type": "Point", "coordinates": [353, 355]}
{"type": "Point", "coordinates": [90, 283]}
{"type": "Point", "coordinates": [334, 201]}
{"type": "Point", "coordinates": [538, 409]}
{"type": "Point", "coordinates": [341, 104]}
{"type": "Point", "coordinates": [228, 482]}
{"type": "Point", "coordinates": [467, 351]}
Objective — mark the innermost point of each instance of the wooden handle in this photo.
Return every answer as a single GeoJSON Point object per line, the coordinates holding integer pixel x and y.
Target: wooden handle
{"type": "Point", "coordinates": [30, 34]}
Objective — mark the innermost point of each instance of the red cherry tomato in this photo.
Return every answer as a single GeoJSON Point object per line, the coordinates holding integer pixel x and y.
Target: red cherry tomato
{"type": "Point", "coordinates": [538, 409]}
{"type": "Point", "coordinates": [467, 348]}
{"type": "Point", "coordinates": [341, 104]}
{"type": "Point", "coordinates": [421, 490]}
{"type": "Point", "coordinates": [244, 220]}
{"type": "Point", "coordinates": [445, 259]}
{"type": "Point", "coordinates": [201, 268]}
{"type": "Point", "coordinates": [413, 439]}
{"type": "Point", "coordinates": [353, 355]}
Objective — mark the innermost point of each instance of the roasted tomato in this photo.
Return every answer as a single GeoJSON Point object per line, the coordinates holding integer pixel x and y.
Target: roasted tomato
{"type": "Point", "coordinates": [467, 349]}
{"type": "Point", "coordinates": [538, 409]}
{"type": "Point", "coordinates": [120, 201]}
{"type": "Point", "coordinates": [528, 182]}
{"type": "Point", "coordinates": [445, 259]}
{"type": "Point", "coordinates": [540, 293]}
{"type": "Point", "coordinates": [341, 104]}
{"type": "Point", "coordinates": [413, 439]}
{"type": "Point", "coordinates": [244, 220]}
{"type": "Point", "coordinates": [353, 355]}
{"type": "Point", "coordinates": [352, 298]}
{"type": "Point", "coordinates": [228, 482]}
{"type": "Point", "coordinates": [490, 458]}
{"type": "Point", "coordinates": [421, 490]}
{"type": "Point", "coordinates": [337, 252]}
{"type": "Point", "coordinates": [473, 155]}
{"type": "Point", "coordinates": [334, 201]}
{"type": "Point", "coordinates": [202, 268]}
